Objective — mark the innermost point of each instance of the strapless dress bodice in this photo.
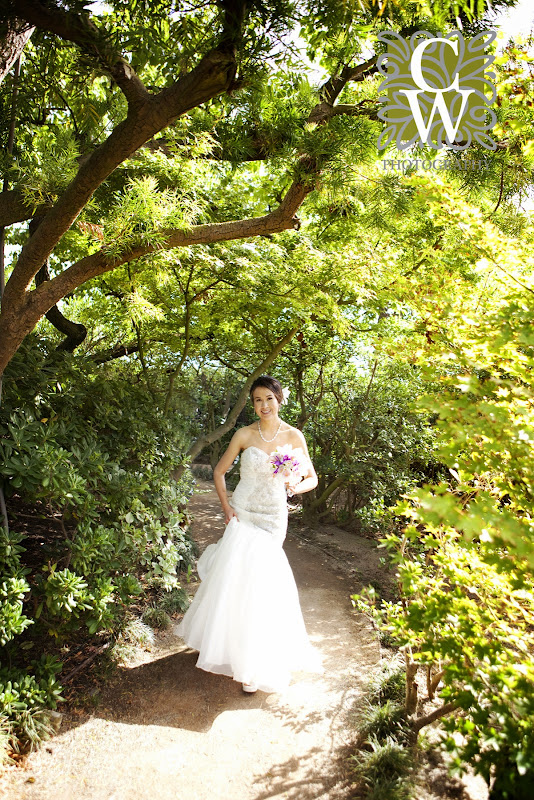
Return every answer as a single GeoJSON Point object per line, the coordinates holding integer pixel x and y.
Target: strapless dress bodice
{"type": "Point", "coordinates": [260, 497]}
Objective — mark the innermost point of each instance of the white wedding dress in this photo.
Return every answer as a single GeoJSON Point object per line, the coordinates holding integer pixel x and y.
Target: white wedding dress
{"type": "Point", "coordinates": [245, 619]}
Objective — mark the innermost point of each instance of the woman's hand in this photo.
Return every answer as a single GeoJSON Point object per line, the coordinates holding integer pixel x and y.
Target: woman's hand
{"type": "Point", "coordinates": [222, 467]}
{"type": "Point", "coordinates": [228, 514]}
{"type": "Point", "coordinates": [291, 485]}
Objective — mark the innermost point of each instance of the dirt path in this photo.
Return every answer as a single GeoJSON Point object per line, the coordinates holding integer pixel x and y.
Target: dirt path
{"type": "Point", "coordinates": [165, 729]}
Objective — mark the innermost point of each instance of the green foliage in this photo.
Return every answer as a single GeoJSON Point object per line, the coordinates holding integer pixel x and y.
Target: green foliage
{"type": "Point", "coordinates": [89, 449]}
{"type": "Point", "coordinates": [175, 600]}
{"type": "Point", "coordinates": [24, 694]}
{"type": "Point", "coordinates": [12, 618]}
{"type": "Point", "coordinates": [367, 444]}
{"type": "Point", "coordinates": [67, 597]}
{"type": "Point", "coordinates": [465, 561]}
{"type": "Point", "coordinates": [378, 265]}
{"type": "Point", "coordinates": [388, 683]}
{"type": "Point", "coordinates": [47, 166]}
{"type": "Point", "coordinates": [385, 763]}
{"type": "Point", "coordinates": [141, 213]}
{"type": "Point", "coordinates": [381, 721]}
{"type": "Point", "coordinates": [138, 632]}
{"type": "Point", "coordinates": [92, 450]}
{"type": "Point", "coordinates": [7, 740]}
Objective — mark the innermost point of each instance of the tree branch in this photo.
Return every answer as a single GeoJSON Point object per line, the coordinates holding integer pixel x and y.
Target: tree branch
{"type": "Point", "coordinates": [434, 683]}
{"type": "Point", "coordinates": [118, 351]}
{"type": "Point", "coordinates": [208, 79]}
{"type": "Point", "coordinates": [442, 711]}
{"type": "Point", "coordinates": [14, 209]}
{"type": "Point", "coordinates": [215, 72]}
{"type": "Point", "coordinates": [81, 30]}
{"type": "Point", "coordinates": [229, 365]}
{"type": "Point", "coordinates": [331, 90]}
{"type": "Point", "coordinates": [281, 219]}
{"type": "Point", "coordinates": [231, 419]}
{"type": "Point", "coordinates": [356, 110]}
{"type": "Point", "coordinates": [74, 332]}
{"type": "Point", "coordinates": [19, 317]}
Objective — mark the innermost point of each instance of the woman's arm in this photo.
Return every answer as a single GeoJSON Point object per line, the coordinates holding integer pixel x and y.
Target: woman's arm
{"type": "Point", "coordinates": [309, 480]}
{"type": "Point", "coordinates": [222, 467]}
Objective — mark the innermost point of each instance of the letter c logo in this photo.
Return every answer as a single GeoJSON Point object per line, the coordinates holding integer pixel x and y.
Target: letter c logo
{"type": "Point", "coordinates": [416, 66]}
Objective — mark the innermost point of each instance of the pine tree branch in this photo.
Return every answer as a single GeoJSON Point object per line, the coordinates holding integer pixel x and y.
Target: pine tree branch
{"type": "Point", "coordinates": [118, 351]}
{"type": "Point", "coordinates": [213, 75]}
{"type": "Point", "coordinates": [21, 316]}
{"type": "Point", "coordinates": [333, 87]}
{"type": "Point", "coordinates": [281, 219]}
{"type": "Point", "coordinates": [208, 79]}
{"type": "Point", "coordinates": [357, 110]}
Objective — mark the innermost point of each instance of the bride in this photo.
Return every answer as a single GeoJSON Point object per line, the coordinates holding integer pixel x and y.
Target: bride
{"type": "Point", "coordinates": [245, 619]}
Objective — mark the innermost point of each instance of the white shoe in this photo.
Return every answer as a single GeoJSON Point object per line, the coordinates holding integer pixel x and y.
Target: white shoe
{"type": "Point", "coordinates": [250, 688]}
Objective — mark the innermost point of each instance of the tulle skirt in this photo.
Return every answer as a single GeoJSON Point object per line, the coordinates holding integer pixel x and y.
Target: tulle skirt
{"type": "Point", "coordinates": [245, 619]}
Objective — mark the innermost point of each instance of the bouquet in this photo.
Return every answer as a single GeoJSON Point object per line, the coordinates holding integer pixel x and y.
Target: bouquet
{"type": "Point", "coordinates": [290, 462]}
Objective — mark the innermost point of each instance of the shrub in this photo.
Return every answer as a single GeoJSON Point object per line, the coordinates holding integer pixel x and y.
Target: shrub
{"type": "Point", "coordinates": [12, 619]}
{"type": "Point", "coordinates": [388, 682]}
{"type": "Point", "coordinates": [8, 741]}
{"type": "Point", "coordinates": [87, 447]}
{"type": "Point", "coordinates": [174, 601]}
{"type": "Point", "coordinates": [465, 556]}
{"type": "Point", "coordinates": [24, 696]}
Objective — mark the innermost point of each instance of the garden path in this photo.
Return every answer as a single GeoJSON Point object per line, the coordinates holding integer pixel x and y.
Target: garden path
{"type": "Point", "coordinates": [164, 729]}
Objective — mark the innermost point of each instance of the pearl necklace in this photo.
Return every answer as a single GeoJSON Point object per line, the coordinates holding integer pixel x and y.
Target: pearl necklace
{"type": "Point", "coordinates": [275, 435]}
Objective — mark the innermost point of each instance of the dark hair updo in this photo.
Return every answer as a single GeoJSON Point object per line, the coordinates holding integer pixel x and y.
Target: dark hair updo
{"type": "Point", "coordinates": [267, 382]}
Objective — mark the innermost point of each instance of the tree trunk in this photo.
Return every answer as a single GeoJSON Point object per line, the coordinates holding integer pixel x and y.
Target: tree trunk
{"type": "Point", "coordinates": [411, 685]}
{"type": "Point", "coordinates": [14, 33]}
{"type": "Point", "coordinates": [321, 500]}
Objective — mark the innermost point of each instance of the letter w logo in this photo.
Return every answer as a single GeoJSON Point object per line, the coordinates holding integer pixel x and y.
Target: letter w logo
{"type": "Point", "coordinates": [439, 103]}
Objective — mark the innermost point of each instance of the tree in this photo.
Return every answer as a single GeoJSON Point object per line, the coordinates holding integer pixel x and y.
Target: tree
{"type": "Point", "coordinates": [464, 558]}
{"type": "Point", "coordinates": [147, 113]}
{"type": "Point", "coordinates": [141, 49]}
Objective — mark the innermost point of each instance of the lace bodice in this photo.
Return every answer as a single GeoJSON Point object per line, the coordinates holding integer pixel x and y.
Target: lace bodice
{"type": "Point", "coordinates": [260, 496]}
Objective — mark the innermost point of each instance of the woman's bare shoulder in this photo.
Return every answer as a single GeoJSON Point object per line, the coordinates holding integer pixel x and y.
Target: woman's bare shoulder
{"type": "Point", "coordinates": [243, 435]}
{"type": "Point", "coordinates": [296, 436]}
